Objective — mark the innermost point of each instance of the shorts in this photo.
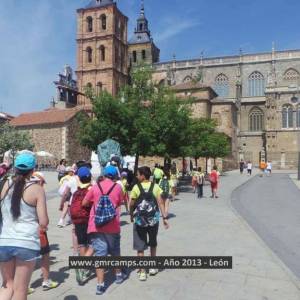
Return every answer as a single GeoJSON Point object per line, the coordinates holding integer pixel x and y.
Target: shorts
{"type": "Point", "coordinates": [8, 253]}
{"type": "Point", "coordinates": [106, 243]}
{"type": "Point", "coordinates": [45, 248]}
{"type": "Point", "coordinates": [81, 233]}
{"type": "Point", "coordinates": [175, 183]}
{"type": "Point", "coordinates": [141, 235]}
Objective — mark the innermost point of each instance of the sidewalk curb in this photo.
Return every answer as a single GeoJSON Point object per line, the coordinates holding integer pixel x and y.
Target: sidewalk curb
{"type": "Point", "coordinates": [290, 274]}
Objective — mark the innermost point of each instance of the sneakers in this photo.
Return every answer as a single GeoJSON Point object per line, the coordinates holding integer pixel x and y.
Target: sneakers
{"type": "Point", "coordinates": [48, 285]}
{"type": "Point", "coordinates": [30, 291]}
{"type": "Point", "coordinates": [79, 276]}
{"type": "Point", "coordinates": [153, 272]}
{"type": "Point", "coordinates": [101, 288]}
{"type": "Point", "coordinates": [142, 276]}
{"type": "Point", "coordinates": [60, 223]}
{"type": "Point", "coordinates": [120, 278]}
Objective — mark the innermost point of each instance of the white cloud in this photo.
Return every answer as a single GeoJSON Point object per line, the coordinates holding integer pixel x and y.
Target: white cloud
{"type": "Point", "coordinates": [174, 26]}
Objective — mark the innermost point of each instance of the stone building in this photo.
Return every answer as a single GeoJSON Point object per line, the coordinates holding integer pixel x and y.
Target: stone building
{"type": "Point", "coordinates": [253, 97]}
{"type": "Point", "coordinates": [54, 131]}
{"type": "Point", "coordinates": [263, 87]}
{"type": "Point", "coordinates": [254, 101]}
{"type": "Point", "coordinates": [141, 47]}
{"type": "Point", "coordinates": [101, 47]}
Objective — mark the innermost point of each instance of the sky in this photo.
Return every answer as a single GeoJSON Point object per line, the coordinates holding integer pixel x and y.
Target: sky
{"type": "Point", "coordinates": [38, 37]}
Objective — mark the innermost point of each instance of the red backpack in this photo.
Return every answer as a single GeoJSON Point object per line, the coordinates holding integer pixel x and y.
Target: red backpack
{"type": "Point", "coordinates": [79, 214]}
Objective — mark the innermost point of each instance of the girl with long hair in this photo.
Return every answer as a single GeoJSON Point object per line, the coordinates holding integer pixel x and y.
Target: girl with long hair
{"type": "Point", "coordinates": [22, 213]}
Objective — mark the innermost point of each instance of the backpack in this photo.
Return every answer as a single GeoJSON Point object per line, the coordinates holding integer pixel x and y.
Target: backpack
{"type": "Point", "coordinates": [146, 207]}
{"type": "Point", "coordinates": [79, 214]}
{"type": "Point", "coordinates": [165, 186]}
{"type": "Point", "coordinates": [105, 210]}
{"type": "Point", "coordinates": [200, 179]}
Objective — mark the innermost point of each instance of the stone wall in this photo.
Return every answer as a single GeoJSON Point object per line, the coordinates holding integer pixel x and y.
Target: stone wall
{"type": "Point", "coordinates": [74, 150]}
{"type": "Point", "coordinates": [58, 139]}
{"type": "Point", "coordinates": [47, 138]}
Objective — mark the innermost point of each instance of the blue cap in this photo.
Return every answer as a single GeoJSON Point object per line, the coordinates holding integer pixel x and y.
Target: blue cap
{"type": "Point", "coordinates": [84, 172]}
{"type": "Point", "coordinates": [110, 171]}
{"type": "Point", "coordinates": [25, 161]}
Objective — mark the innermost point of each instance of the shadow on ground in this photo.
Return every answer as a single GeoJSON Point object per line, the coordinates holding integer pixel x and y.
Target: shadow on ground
{"type": "Point", "coordinates": [60, 276]}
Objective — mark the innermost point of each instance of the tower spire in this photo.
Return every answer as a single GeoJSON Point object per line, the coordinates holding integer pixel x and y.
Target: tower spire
{"type": "Point", "coordinates": [142, 8]}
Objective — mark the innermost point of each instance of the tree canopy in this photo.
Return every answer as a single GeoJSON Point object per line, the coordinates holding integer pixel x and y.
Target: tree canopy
{"type": "Point", "coordinates": [149, 120]}
{"type": "Point", "coordinates": [13, 139]}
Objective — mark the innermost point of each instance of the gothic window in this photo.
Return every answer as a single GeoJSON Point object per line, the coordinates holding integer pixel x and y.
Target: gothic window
{"type": "Point", "coordinates": [187, 79]}
{"type": "Point", "coordinates": [102, 53]}
{"type": "Point", "coordinates": [222, 85]}
{"type": "Point", "coordinates": [144, 54]}
{"type": "Point", "coordinates": [287, 116]}
{"type": "Point", "coordinates": [298, 116]}
{"type": "Point", "coordinates": [99, 87]}
{"type": "Point", "coordinates": [291, 75]}
{"type": "Point", "coordinates": [256, 119]}
{"type": "Point", "coordinates": [89, 53]}
{"type": "Point", "coordinates": [134, 56]}
{"type": "Point", "coordinates": [103, 22]}
{"type": "Point", "coordinates": [256, 84]}
{"type": "Point", "coordinates": [89, 21]}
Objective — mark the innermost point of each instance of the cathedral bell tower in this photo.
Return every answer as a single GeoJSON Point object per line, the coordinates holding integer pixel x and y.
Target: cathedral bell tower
{"type": "Point", "coordinates": [141, 47]}
{"type": "Point", "coordinates": [101, 48]}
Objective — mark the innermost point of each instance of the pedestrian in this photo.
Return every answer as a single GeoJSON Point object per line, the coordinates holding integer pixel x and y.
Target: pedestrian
{"type": "Point", "coordinates": [4, 168]}
{"type": "Point", "coordinates": [47, 283]}
{"type": "Point", "coordinates": [200, 182]}
{"type": "Point", "coordinates": [145, 204]}
{"type": "Point", "coordinates": [61, 169]}
{"type": "Point", "coordinates": [269, 168]}
{"type": "Point", "coordinates": [166, 185]}
{"type": "Point", "coordinates": [125, 186]}
{"type": "Point", "coordinates": [80, 217]}
{"type": "Point", "coordinates": [158, 173]}
{"type": "Point", "coordinates": [242, 166]}
{"type": "Point", "coordinates": [105, 197]}
{"type": "Point", "coordinates": [194, 175]}
{"type": "Point", "coordinates": [249, 168]}
{"type": "Point", "coordinates": [174, 177]}
{"type": "Point", "coordinates": [23, 213]}
{"type": "Point", "coordinates": [214, 182]}
{"type": "Point", "coordinates": [68, 185]}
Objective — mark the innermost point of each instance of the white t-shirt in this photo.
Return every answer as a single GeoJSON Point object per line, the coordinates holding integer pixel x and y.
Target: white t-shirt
{"type": "Point", "coordinates": [249, 166]}
{"type": "Point", "coordinates": [269, 166]}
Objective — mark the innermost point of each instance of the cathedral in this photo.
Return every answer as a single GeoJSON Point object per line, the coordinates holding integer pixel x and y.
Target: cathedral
{"type": "Point", "coordinates": [254, 98]}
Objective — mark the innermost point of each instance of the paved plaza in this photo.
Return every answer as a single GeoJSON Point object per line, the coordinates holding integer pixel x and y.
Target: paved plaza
{"type": "Point", "coordinates": [198, 227]}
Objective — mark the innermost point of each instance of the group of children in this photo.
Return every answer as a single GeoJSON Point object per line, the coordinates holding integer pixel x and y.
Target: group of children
{"type": "Point", "coordinates": [81, 198]}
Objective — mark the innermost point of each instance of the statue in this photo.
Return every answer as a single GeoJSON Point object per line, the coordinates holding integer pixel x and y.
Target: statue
{"type": "Point", "coordinates": [107, 150]}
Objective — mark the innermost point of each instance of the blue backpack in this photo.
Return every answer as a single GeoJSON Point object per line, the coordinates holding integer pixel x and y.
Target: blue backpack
{"type": "Point", "coordinates": [105, 210]}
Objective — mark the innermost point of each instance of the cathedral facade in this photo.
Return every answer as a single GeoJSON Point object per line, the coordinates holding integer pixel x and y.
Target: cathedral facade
{"type": "Point", "coordinates": [255, 98]}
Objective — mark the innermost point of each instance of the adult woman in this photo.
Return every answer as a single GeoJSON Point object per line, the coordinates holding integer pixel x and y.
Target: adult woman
{"type": "Point", "coordinates": [214, 182]}
{"type": "Point", "coordinates": [23, 212]}
{"type": "Point", "coordinates": [61, 169]}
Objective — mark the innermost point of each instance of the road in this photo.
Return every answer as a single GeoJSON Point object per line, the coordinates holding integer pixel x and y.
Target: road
{"type": "Point", "coordinates": [271, 205]}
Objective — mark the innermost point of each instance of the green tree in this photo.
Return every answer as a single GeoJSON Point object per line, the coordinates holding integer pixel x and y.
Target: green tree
{"type": "Point", "coordinates": [146, 120]}
{"type": "Point", "coordinates": [12, 139]}
{"type": "Point", "coordinates": [218, 145]}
